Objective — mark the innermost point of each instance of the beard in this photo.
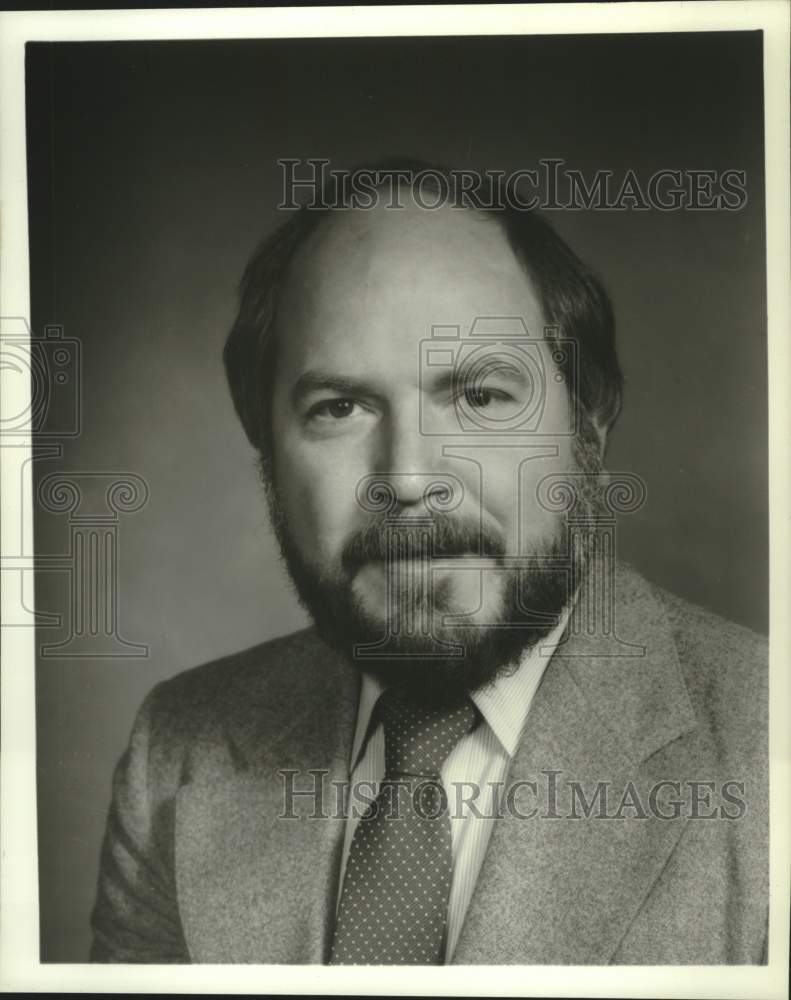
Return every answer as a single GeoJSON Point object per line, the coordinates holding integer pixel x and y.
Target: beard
{"type": "Point", "coordinates": [418, 645]}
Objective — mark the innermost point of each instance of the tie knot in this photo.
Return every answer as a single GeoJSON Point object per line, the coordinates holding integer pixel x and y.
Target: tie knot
{"type": "Point", "coordinates": [418, 739]}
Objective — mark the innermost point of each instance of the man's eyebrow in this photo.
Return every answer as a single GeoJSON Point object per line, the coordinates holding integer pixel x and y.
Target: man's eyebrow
{"type": "Point", "coordinates": [477, 375]}
{"type": "Point", "coordinates": [318, 381]}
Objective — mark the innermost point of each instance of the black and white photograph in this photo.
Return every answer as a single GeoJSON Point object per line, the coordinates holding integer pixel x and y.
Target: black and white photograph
{"type": "Point", "coordinates": [395, 466]}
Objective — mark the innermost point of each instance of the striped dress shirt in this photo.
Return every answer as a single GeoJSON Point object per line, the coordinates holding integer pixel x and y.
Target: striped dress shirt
{"type": "Point", "coordinates": [481, 758]}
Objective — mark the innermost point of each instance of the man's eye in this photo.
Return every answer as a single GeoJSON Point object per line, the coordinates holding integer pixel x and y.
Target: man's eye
{"type": "Point", "coordinates": [478, 397]}
{"type": "Point", "coordinates": [334, 409]}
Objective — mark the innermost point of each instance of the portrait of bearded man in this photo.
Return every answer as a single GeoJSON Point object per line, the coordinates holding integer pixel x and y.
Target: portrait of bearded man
{"type": "Point", "coordinates": [418, 385]}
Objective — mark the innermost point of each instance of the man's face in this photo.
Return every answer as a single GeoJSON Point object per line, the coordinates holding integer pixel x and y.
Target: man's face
{"type": "Point", "coordinates": [359, 415]}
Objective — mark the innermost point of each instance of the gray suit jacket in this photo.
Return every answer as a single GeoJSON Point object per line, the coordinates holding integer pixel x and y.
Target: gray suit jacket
{"type": "Point", "coordinates": [199, 865]}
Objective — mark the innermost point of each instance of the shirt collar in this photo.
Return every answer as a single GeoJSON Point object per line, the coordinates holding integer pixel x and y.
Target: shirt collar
{"type": "Point", "coordinates": [370, 690]}
{"type": "Point", "coordinates": [504, 703]}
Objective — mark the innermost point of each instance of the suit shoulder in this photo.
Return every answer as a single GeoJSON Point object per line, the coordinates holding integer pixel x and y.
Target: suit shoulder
{"type": "Point", "coordinates": [726, 669]}
{"type": "Point", "coordinates": [259, 674]}
{"type": "Point", "coordinates": [270, 656]}
{"type": "Point", "coordinates": [709, 637]}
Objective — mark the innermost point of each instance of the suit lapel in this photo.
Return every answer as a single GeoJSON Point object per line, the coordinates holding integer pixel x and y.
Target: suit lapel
{"type": "Point", "coordinates": [255, 886]}
{"type": "Point", "coordinates": [565, 890]}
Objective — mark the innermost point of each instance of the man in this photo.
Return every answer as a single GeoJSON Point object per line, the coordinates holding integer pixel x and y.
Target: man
{"type": "Point", "coordinates": [498, 745]}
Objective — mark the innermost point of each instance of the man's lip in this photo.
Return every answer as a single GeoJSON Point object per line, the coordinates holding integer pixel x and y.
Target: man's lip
{"type": "Point", "coordinates": [436, 559]}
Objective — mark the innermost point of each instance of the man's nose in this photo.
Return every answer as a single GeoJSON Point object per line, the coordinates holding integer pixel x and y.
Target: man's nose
{"type": "Point", "coordinates": [411, 467]}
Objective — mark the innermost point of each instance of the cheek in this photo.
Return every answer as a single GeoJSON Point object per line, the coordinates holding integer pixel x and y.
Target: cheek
{"type": "Point", "coordinates": [511, 486]}
{"type": "Point", "coordinates": [316, 488]}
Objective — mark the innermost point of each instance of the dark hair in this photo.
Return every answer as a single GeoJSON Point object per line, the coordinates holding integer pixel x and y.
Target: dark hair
{"type": "Point", "coordinates": [571, 298]}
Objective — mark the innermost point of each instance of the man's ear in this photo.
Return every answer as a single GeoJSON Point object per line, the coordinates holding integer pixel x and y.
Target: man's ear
{"type": "Point", "coordinates": [602, 427]}
{"type": "Point", "coordinates": [602, 431]}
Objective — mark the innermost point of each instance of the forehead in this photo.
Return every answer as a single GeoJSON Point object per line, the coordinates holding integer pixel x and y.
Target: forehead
{"type": "Point", "coordinates": [373, 283]}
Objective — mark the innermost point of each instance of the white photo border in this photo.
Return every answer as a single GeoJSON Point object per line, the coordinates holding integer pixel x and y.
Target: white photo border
{"type": "Point", "coordinates": [20, 968]}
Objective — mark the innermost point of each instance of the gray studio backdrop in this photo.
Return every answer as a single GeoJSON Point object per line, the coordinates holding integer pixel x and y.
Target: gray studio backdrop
{"type": "Point", "coordinates": [153, 175]}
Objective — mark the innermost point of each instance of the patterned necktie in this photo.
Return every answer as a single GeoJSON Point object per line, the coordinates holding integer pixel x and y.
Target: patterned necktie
{"type": "Point", "coordinates": [394, 903]}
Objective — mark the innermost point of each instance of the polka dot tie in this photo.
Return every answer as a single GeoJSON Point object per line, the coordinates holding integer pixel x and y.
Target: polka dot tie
{"type": "Point", "coordinates": [394, 903]}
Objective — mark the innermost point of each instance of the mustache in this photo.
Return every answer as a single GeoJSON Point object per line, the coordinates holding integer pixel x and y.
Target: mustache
{"type": "Point", "coordinates": [387, 538]}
